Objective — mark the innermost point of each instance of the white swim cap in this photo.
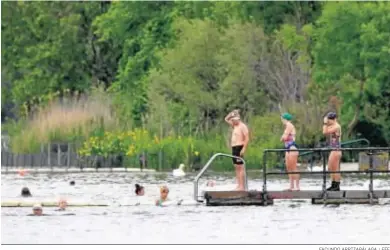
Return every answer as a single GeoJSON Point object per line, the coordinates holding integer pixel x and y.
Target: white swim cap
{"type": "Point", "coordinates": [37, 206]}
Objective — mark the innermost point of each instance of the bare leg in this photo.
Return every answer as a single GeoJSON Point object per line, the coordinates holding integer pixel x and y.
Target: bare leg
{"type": "Point", "coordinates": [241, 185]}
{"type": "Point", "coordinates": [288, 169]}
{"type": "Point", "coordinates": [335, 163]}
{"type": "Point", "coordinates": [293, 159]}
{"type": "Point", "coordinates": [238, 180]}
{"type": "Point", "coordinates": [331, 164]}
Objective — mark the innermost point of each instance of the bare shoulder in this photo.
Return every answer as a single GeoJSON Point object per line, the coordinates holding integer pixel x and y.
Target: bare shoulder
{"type": "Point", "coordinates": [338, 126]}
{"type": "Point", "coordinates": [244, 128]}
{"type": "Point", "coordinates": [290, 125]}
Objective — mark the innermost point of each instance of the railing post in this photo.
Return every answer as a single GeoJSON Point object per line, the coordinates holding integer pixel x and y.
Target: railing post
{"type": "Point", "coordinates": [58, 155]}
{"type": "Point", "coordinates": [68, 160]}
{"type": "Point", "coordinates": [324, 171]}
{"type": "Point", "coordinates": [265, 196]}
{"type": "Point", "coordinates": [371, 168]}
{"type": "Point", "coordinates": [49, 155]}
{"type": "Point", "coordinates": [265, 171]}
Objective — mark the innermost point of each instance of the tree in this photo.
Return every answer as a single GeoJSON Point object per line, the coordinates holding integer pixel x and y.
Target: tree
{"type": "Point", "coordinates": [351, 53]}
{"type": "Point", "coordinates": [140, 29]}
{"type": "Point", "coordinates": [48, 47]}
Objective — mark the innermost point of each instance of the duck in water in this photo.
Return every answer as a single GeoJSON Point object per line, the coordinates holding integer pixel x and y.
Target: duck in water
{"type": "Point", "coordinates": [180, 171]}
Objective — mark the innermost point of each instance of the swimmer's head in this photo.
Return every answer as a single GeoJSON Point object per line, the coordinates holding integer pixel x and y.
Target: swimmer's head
{"type": "Point", "coordinates": [72, 183]}
{"type": "Point", "coordinates": [37, 209]}
{"type": "Point", "coordinates": [62, 204]}
{"type": "Point", "coordinates": [210, 183]}
{"type": "Point", "coordinates": [332, 116]}
{"type": "Point", "coordinates": [22, 172]}
{"type": "Point", "coordinates": [235, 118]}
{"type": "Point", "coordinates": [286, 117]}
{"type": "Point", "coordinates": [25, 192]}
{"type": "Point", "coordinates": [139, 190]}
{"type": "Point", "coordinates": [164, 191]}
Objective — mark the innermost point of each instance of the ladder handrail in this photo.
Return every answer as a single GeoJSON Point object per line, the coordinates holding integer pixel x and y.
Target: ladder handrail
{"type": "Point", "coordinates": [206, 166]}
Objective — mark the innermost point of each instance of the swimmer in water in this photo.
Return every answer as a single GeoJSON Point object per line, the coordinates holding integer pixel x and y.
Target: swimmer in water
{"type": "Point", "coordinates": [62, 204]}
{"type": "Point", "coordinates": [332, 130]}
{"type": "Point", "coordinates": [164, 191]}
{"type": "Point", "coordinates": [25, 192]}
{"type": "Point", "coordinates": [139, 190]}
{"type": "Point", "coordinates": [291, 157]}
{"type": "Point", "coordinates": [239, 142]}
{"type": "Point", "coordinates": [37, 210]}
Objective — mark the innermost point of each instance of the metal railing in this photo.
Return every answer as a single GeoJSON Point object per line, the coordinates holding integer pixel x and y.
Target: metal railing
{"type": "Point", "coordinates": [371, 170]}
{"type": "Point", "coordinates": [206, 166]}
{"type": "Point", "coordinates": [311, 154]}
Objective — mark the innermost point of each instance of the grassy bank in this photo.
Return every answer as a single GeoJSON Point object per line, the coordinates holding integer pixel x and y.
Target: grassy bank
{"type": "Point", "coordinates": [90, 123]}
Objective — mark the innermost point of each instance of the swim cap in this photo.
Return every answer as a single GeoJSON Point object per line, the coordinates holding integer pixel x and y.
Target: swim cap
{"type": "Point", "coordinates": [287, 116]}
{"type": "Point", "coordinates": [37, 207]}
{"type": "Point", "coordinates": [331, 115]}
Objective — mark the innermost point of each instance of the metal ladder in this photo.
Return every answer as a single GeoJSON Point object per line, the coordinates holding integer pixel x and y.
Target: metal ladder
{"type": "Point", "coordinates": [206, 166]}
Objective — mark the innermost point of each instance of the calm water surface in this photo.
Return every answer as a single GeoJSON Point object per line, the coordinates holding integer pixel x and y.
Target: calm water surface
{"type": "Point", "coordinates": [123, 222]}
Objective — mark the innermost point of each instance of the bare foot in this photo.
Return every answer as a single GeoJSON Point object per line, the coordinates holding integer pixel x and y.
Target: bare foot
{"type": "Point", "coordinates": [288, 189]}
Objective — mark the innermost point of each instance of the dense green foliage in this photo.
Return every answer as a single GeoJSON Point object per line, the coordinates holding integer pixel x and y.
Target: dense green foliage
{"type": "Point", "coordinates": [177, 68]}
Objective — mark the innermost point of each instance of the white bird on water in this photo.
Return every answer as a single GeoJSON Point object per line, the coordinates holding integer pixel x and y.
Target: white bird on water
{"type": "Point", "coordinates": [179, 172]}
{"type": "Point", "coordinates": [316, 169]}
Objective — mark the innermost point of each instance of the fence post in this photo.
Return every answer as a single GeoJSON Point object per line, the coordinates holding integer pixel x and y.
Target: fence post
{"type": "Point", "coordinates": [58, 155]}
{"type": "Point", "coordinates": [68, 160]}
{"type": "Point", "coordinates": [32, 160]}
{"type": "Point", "coordinates": [49, 155]}
{"type": "Point", "coordinates": [160, 155]}
{"type": "Point", "coordinates": [41, 155]}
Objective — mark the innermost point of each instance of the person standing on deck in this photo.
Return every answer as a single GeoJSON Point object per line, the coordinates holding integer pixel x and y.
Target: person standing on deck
{"type": "Point", "coordinates": [332, 129]}
{"type": "Point", "coordinates": [239, 142]}
{"type": "Point", "coordinates": [291, 157]}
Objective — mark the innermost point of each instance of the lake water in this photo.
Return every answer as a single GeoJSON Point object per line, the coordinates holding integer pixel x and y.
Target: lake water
{"type": "Point", "coordinates": [285, 222]}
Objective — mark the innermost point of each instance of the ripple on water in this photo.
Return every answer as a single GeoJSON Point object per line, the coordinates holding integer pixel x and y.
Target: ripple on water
{"type": "Point", "coordinates": [284, 222]}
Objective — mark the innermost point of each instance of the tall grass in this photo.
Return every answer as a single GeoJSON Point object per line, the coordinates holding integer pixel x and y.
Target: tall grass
{"type": "Point", "coordinates": [65, 119]}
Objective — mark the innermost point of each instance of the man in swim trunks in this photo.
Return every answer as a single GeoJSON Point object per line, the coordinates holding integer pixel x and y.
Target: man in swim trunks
{"type": "Point", "coordinates": [239, 142]}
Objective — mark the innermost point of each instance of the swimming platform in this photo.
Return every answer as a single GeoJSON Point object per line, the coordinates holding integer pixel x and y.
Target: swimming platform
{"type": "Point", "coordinates": [373, 160]}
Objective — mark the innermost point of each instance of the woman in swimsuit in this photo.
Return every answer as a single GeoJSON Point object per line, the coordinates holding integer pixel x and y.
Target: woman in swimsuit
{"type": "Point", "coordinates": [332, 130]}
{"type": "Point", "coordinates": [291, 158]}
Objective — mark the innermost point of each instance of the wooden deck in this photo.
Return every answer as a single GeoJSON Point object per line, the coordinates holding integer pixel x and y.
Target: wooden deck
{"type": "Point", "coordinates": [242, 198]}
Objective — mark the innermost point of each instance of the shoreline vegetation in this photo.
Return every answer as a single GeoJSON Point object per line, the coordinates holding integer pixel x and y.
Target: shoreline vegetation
{"type": "Point", "coordinates": [162, 85]}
